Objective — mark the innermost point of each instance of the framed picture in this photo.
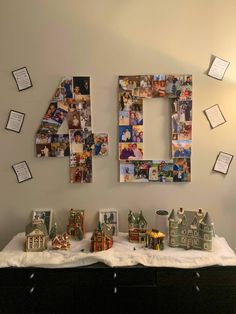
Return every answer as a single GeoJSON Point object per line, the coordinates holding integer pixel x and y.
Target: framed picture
{"type": "Point", "coordinates": [109, 217]}
{"type": "Point", "coordinates": [15, 121]}
{"type": "Point", "coordinates": [44, 216]}
{"type": "Point", "coordinates": [22, 171]}
{"type": "Point", "coordinates": [22, 78]}
{"type": "Point", "coordinates": [223, 162]}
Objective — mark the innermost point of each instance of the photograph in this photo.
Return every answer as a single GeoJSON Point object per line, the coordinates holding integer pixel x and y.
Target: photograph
{"type": "Point", "coordinates": [63, 105]}
{"type": "Point", "coordinates": [158, 87]}
{"type": "Point", "coordinates": [126, 172]}
{"type": "Point", "coordinates": [124, 118]}
{"type": "Point", "coordinates": [43, 138]}
{"type": "Point", "coordinates": [181, 170]}
{"type": "Point", "coordinates": [137, 133]}
{"type": "Point", "coordinates": [100, 144]}
{"type": "Point", "coordinates": [82, 173]}
{"type": "Point", "coordinates": [141, 170]}
{"type": "Point", "coordinates": [43, 150]}
{"type": "Point", "coordinates": [181, 149]}
{"type": "Point", "coordinates": [145, 92]}
{"type": "Point", "coordinates": [49, 127]}
{"type": "Point", "coordinates": [59, 95]}
{"type": "Point", "coordinates": [125, 133]}
{"type": "Point", "coordinates": [131, 151]}
{"type": "Point", "coordinates": [136, 118]}
{"type": "Point", "coordinates": [43, 216]}
{"type": "Point", "coordinates": [76, 141]}
{"type": "Point", "coordinates": [74, 120]}
{"type": "Point", "coordinates": [59, 115]}
{"type": "Point", "coordinates": [51, 111]}
{"type": "Point", "coordinates": [153, 174]}
{"type": "Point", "coordinates": [109, 217]}
{"type": "Point", "coordinates": [129, 82]}
{"type": "Point", "coordinates": [173, 84]}
{"type": "Point", "coordinates": [125, 101]}
{"type": "Point", "coordinates": [80, 159]}
{"type": "Point", "coordinates": [81, 86]}
{"type": "Point", "coordinates": [66, 84]}
{"type": "Point", "coordinates": [165, 170]}
{"type": "Point", "coordinates": [60, 145]}
{"type": "Point", "coordinates": [137, 104]}
{"type": "Point", "coordinates": [146, 81]}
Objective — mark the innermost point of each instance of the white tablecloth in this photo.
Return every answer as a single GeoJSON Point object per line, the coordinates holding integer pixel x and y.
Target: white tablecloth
{"type": "Point", "coordinates": [123, 253]}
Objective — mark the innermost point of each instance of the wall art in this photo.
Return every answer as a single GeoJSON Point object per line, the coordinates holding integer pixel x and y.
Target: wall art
{"type": "Point", "coordinates": [71, 100]}
{"type": "Point", "coordinates": [133, 91]}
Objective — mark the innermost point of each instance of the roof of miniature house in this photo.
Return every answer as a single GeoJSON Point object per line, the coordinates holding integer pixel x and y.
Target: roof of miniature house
{"type": "Point", "coordinates": [188, 217]}
{"type": "Point", "coordinates": [155, 233]}
{"type": "Point", "coordinates": [32, 227]}
{"type": "Point", "coordinates": [207, 220]}
{"type": "Point", "coordinates": [136, 218]}
{"type": "Point", "coordinates": [103, 228]}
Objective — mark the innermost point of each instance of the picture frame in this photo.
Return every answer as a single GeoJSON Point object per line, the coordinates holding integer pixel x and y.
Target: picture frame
{"type": "Point", "coordinates": [218, 68]}
{"type": "Point", "coordinates": [222, 163]}
{"type": "Point", "coordinates": [45, 216]}
{"type": "Point", "coordinates": [22, 171]}
{"type": "Point", "coordinates": [110, 217]}
{"type": "Point", "coordinates": [15, 121]}
{"type": "Point", "coordinates": [22, 78]}
{"type": "Point", "coordinates": [215, 116]}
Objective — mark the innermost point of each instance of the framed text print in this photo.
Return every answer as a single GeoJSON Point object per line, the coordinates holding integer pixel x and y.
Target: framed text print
{"type": "Point", "coordinates": [132, 92]}
{"type": "Point", "coordinates": [71, 100]}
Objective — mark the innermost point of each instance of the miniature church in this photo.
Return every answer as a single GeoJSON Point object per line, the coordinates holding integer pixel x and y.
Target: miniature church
{"type": "Point", "coordinates": [190, 229]}
{"type": "Point", "coordinates": [102, 238]}
{"type": "Point", "coordinates": [75, 227]}
{"type": "Point", "coordinates": [137, 226]}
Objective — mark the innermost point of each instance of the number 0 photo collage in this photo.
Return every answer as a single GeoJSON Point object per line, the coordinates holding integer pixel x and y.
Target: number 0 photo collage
{"type": "Point", "coordinates": [132, 92]}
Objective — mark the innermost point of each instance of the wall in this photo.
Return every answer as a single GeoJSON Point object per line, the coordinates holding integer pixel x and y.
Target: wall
{"type": "Point", "coordinates": [103, 39]}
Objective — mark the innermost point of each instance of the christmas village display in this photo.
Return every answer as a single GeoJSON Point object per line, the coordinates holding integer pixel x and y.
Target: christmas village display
{"type": "Point", "coordinates": [187, 229]}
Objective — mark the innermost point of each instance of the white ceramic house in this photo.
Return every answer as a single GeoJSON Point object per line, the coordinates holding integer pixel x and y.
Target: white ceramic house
{"type": "Point", "coordinates": [190, 229]}
{"type": "Point", "coordinates": [36, 237]}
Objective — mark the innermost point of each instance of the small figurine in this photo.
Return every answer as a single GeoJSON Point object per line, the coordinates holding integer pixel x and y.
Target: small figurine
{"type": "Point", "coordinates": [154, 239]}
{"type": "Point", "coordinates": [137, 226]}
{"type": "Point", "coordinates": [75, 227]}
{"type": "Point", "coordinates": [102, 238]}
{"type": "Point", "coordinates": [61, 242]}
{"type": "Point", "coordinates": [36, 237]}
{"type": "Point", "coordinates": [53, 231]}
{"type": "Point", "coordinates": [190, 230]}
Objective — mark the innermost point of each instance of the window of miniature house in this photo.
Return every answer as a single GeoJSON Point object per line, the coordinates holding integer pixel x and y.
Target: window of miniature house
{"type": "Point", "coordinates": [206, 237]}
{"type": "Point", "coordinates": [163, 100]}
{"type": "Point", "coordinates": [195, 232]}
{"type": "Point", "coordinates": [172, 241]}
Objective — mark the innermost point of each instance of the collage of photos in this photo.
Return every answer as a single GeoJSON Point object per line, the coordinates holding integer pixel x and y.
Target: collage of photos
{"type": "Point", "coordinates": [146, 171]}
{"type": "Point", "coordinates": [132, 90]}
{"type": "Point", "coordinates": [71, 100]}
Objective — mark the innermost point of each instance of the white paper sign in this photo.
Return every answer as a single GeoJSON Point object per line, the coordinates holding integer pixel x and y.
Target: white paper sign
{"type": "Point", "coordinates": [22, 171]}
{"type": "Point", "coordinates": [218, 68]}
{"type": "Point", "coordinates": [22, 79]}
{"type": "Point", "coordinates": [223, 162]}
{"type": "Point", "coordinates": [15, 121]}
{"type": "Point", "coordinates": [215, 116]}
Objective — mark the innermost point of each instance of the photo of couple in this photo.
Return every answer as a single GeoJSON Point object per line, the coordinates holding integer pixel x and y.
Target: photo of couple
{"type": "Point", "coordinates": [131, 151]}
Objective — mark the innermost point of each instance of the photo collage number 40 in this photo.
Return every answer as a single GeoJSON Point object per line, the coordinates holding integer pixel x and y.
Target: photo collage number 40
{"type": "Point", "coordinates": [132, 91]}
{"type": "Point", "coordinates": [71, 100]}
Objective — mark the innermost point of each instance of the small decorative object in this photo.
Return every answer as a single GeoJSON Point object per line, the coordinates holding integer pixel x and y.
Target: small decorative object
{"type": "Point", "coordinates": [154, 239]}
{"type": "Point", "coordinates": [137, 226]}
{"type": "Point", "coordinates": [223, 162]}
{"type": "Point", "coordinates": [44, 216]}
{"type": "Point", "coordinates": [161, 220]}
{"type": "Point", "coordinates": [109, 217]}
{"type": "Point", "coordinates": [36, 237]}
{"type": "Point", "coordinates": [22, 171]}
{"type": "Point", "coordinates": [22, 78]}
{"type": "Point", "coordinates": [102, 238]}
{"type": "Point", "coordinates": [218, 68]}
{"type": "Point", "coordinates": [15, 121]}
{"type": "Point", "coordinates": [190, 229]}
{"type": "Point", "coordinates": [53, 231]}
{"type": "Point", "coordinates": [75, 228]}
{"type": "Point", "coordinates": [61, 242]}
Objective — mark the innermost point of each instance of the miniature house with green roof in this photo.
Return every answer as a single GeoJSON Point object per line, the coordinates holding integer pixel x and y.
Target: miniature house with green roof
{"type": "Point", "coordinates": [75, 227]}
{"type": "Point", "coordinates": [190, 230]}
{"type": "Point", "coordinates": [102, 238]}
{"type": "Point", "coordinates": [137, 226]}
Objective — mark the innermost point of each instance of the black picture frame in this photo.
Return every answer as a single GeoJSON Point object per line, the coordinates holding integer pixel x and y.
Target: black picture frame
{"type": "Point", "coordinates": [205, 112]}
{"type": "Point", "coordinates": [31, 84]}
{"type": "Point", "coordinates": [209, 69]}
{"type": "Point", "coordinates": [17, 176]}
{"type": "Point", "coordinates": [232, 156]}
{"type": "Point", "coordinates": [9, 117]}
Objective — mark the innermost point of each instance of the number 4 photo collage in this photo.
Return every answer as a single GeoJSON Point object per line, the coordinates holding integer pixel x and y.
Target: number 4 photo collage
{"type": "Point", "coordinates": [132, 91]}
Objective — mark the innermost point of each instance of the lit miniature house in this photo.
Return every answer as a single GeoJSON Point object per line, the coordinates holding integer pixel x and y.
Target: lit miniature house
{"type": "Point", "coordinates": [102, 238]}
{"type": "Point", "coordinates": [75, 228]}
{"type": "Point", "coordinates": [155, 239]}
{"type": "Point", "coordinates": [61, 242]}
{"type": "Point", "coordinates": [36, 237]}
{"type": "Point", "coordinates": [190, 230]}
{"type": "Point", "coordinates": [137, 226]}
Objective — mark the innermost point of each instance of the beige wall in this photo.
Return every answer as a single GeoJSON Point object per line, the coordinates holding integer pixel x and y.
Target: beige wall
{"type": "Point", "coordinates": [103, 39]}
